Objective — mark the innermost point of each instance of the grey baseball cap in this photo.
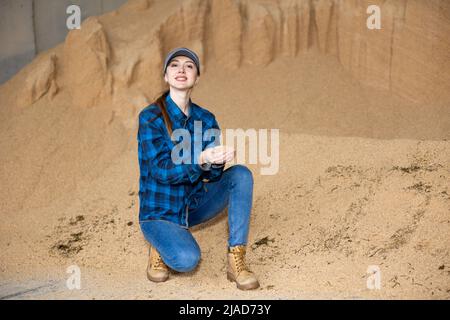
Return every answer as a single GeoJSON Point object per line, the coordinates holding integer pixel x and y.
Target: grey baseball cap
{"type": "Point", "coordinates": [182, 52]}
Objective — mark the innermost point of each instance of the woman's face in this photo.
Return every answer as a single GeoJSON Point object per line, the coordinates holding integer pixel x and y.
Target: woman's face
{"type": "Point", "coordinates": [181, 73]}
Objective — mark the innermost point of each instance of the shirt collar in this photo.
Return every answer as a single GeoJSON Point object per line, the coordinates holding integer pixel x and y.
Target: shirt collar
{"type": "Point", "coordinates": [175, 112]}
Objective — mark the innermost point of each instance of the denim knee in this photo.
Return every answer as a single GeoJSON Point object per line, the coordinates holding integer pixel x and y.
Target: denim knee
{"type": "Point", "coordinates": [185, 260]}
{"type": "Point", "coordinates": [242, 173]}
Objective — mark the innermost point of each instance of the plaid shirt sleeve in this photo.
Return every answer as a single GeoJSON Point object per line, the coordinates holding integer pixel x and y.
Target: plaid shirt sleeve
{"type": "Point", "coordinates": [215, 172]}
{"type": "Point", "coordinates": [155, 151]}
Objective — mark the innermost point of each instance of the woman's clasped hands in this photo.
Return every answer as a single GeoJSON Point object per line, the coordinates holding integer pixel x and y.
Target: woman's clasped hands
{"type": "Point", "coordinates": [217, 155]}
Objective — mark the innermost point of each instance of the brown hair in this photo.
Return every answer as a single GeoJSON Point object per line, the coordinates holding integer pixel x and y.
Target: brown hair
{"type": "Point", "coordinates": [161, 103]}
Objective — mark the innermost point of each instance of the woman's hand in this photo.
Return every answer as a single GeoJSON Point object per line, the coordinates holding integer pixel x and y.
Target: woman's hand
{"type": "Point", "coordinates": [217, 155]}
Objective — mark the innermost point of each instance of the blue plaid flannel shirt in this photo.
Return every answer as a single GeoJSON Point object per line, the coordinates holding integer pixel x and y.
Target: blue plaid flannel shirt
{"type": "Point", "coordinates": [168, 190]}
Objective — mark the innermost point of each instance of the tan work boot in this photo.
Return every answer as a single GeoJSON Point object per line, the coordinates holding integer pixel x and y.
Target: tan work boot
{"type": "Point", "coordinates": [157, 271]}
{"type": "Point", "coordinates": [238, 270]}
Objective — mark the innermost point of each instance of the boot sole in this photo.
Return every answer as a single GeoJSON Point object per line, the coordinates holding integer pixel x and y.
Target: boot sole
{"type": "Point", "coordinates": [249, 286]}
{"type": "Point", "coordinates": [152, 279]}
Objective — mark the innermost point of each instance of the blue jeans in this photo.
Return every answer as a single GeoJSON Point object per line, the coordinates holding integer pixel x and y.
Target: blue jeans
{"type": "Point", "coordinates": [177, 246]}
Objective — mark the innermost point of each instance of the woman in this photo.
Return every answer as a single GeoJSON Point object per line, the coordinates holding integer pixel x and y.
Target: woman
{"type": "Point", "coordinates": [175, 195]}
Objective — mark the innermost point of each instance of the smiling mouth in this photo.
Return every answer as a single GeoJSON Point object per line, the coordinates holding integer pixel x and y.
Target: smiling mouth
{"type": "Point", "coordinates": [181, 79]}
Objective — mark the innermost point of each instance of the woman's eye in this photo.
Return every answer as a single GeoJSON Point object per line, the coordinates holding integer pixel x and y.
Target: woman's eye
{"type": "Point", "coordinates": [190, 66]}
{"type": "Point", "coordinates": [173, 65]}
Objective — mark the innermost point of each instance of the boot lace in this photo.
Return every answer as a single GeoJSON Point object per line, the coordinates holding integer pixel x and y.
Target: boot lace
{"type": "Point", "coordinates": [157, 262]}
{"type": "Point", "coordinates": [239, 258]}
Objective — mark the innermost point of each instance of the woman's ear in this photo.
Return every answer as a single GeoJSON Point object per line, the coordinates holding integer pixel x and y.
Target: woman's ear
{"type": "Point", "coordinates": [197, 80]}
